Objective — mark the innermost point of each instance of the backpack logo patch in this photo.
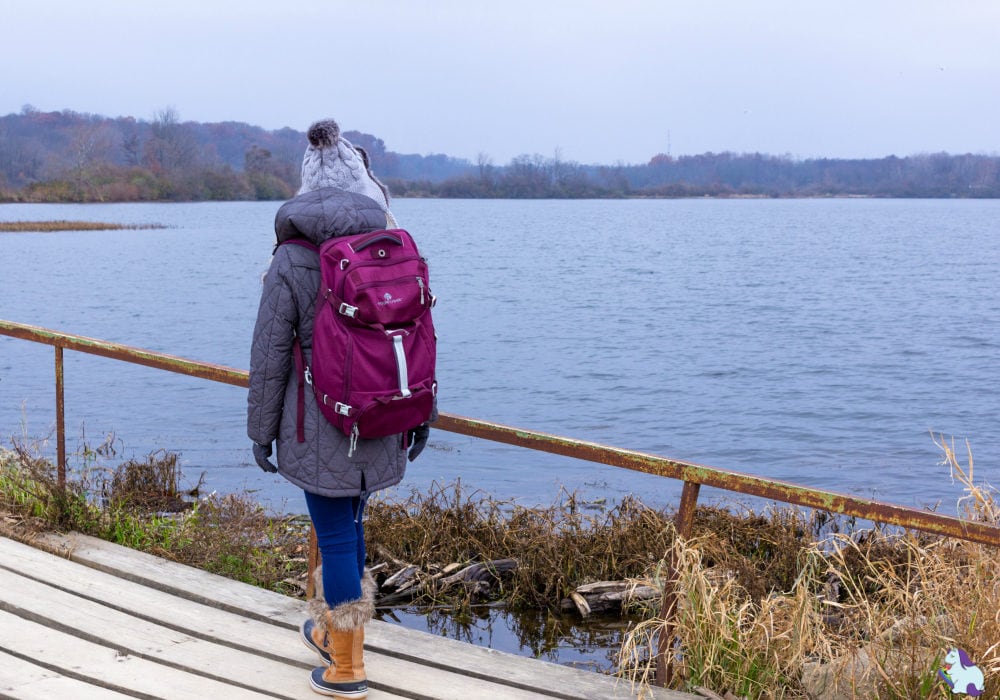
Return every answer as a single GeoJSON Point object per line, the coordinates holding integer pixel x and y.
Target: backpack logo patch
{"type": "Point", "coordinates": [388, 300]}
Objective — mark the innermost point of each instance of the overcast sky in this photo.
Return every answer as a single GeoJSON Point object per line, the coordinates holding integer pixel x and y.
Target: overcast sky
{"type": "Point", "coordinates": [594, 82]}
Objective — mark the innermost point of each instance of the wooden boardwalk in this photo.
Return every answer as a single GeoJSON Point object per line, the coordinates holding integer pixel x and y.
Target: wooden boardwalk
{"type": "Point", "coordinates": [81, 618]}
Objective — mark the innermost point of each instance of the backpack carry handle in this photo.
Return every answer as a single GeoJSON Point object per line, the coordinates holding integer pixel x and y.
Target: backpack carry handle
{"type": "Point", "coordinates": [385, 236]}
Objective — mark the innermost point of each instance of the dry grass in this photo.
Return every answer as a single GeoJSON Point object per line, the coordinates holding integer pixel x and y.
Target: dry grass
{"type": "Point", "coordinates": [724, 639]}
{"type": "Point", "coordinates": [869, 615]}
{"type": "Point", "coordinates": [569, 543]}
{"type": "Point", "coordinates": [138, 504]}
{"type": "Point", "coordinates": [779, 604]}
{"type": "Point", "coordinates": [47, 226]}
{"type": "Point", "coordinates": [557, 547]}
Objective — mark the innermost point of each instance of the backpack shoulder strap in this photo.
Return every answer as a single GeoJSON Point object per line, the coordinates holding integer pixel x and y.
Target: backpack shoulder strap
{"type": "Point", "coordinates": [303, 378]}
{"type": "Point", "coordinates": [300, 361]}
{"type": "Point", "coordinates": [297, 241]}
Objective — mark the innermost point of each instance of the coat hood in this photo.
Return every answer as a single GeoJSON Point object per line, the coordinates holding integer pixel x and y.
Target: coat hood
{"type": "Point", "coordinates": [326, 213]}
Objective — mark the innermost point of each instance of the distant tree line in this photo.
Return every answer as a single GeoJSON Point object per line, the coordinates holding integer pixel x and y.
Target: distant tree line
{"type": "Point", "coordinates": [725, 175]}
{"type": "Point", "coordinates": [71, 157]}
{"type": "Point", "coordinates": [67, 156]}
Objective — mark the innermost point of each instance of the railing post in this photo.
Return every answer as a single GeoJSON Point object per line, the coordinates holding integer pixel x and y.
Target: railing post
{"type": "Point", "coordinates": [668, 603]}
{"type": "Point", "coordinates": [313, 561]}
{"type": "Point", "coordinates": [60, 419]}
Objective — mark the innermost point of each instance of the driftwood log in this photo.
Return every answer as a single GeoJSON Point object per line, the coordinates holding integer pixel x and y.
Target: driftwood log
{"type": "Point", "coordinates": [483, 572]}
{"type": "Point", "coordinates": [411, 581]}
{"type": "Point", "coordinates": [605, 596]}
{"type": "Point", "coordinates": [403, 579]}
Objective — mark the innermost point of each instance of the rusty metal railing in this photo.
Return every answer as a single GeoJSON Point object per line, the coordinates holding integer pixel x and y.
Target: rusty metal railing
{"type": "Point", "coordinates": [116, 351]}
{"type": "Point", "coordinates": [693, 475]}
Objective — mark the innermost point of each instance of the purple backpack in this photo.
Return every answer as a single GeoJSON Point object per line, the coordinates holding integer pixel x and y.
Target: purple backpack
{"type": "Point", "coordinates": [374, 348]}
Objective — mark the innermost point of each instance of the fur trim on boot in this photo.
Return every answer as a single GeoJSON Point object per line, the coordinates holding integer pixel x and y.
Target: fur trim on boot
{"type": "Point", "coordinates": [317, 604]}
{"type": "Point", "coordinates": [350, 615]}
{"type": "Point", "coordinates": [347, 615]}
{"type": "Point", "coordinates": [369, 589]}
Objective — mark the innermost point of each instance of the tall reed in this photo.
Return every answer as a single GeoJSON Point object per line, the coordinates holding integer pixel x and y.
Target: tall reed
{"type": "Point", "coordinates": [870, 614]}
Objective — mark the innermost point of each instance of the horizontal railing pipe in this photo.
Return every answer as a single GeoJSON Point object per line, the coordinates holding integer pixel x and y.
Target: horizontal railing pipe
{"type": "Point", "coordinates": [770, 489]}
{"type": "Point", "coordinates": [126, 353]}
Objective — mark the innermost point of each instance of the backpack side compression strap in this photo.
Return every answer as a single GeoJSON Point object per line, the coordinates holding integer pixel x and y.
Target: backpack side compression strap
{"type": "Point", "coordinates": [401, 370]}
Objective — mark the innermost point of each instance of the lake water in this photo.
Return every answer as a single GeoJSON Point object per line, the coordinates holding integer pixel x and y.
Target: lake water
{"type": "Point", "coordinates": [813, 341]}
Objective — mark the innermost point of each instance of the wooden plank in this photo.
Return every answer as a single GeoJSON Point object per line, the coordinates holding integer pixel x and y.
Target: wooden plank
{"type": "Point", "coordinates": [197, 619]}
{"type": "Point", "coordinates": [23, 680]}
{"type": "Point", "coordinates": [474, 662]}
{"type": "Point", "coordinates": [132, 636]}
{"type": "Point", "coordinates": [106, 667]}
{"type": "Point", "coordinates": [93, 603]}
{"type": "Point", "coordinates": [74, 661]}
{"type": "Point", "coordinates": [178, 579]}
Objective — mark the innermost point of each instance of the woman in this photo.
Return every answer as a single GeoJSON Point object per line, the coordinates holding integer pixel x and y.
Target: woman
{"type": "Point", "coordinates": [339, 196]}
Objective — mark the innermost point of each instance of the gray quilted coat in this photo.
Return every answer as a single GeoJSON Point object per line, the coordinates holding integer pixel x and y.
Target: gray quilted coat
{"type": "Point", "coordinates": [320, 464]}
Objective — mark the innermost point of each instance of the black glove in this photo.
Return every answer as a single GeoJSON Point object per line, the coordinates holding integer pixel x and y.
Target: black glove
{"type": "Point", "coordinates": [261, 454]}
{"type": "Point", "coordinates": [418, 440]}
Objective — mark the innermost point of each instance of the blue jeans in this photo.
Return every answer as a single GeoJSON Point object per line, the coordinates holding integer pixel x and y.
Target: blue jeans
{"type": "Point", "coordinates": [341, 538]}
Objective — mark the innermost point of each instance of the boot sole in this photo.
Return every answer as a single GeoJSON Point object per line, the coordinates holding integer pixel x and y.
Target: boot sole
{"type": "Point", "coordinates": [351, 691]}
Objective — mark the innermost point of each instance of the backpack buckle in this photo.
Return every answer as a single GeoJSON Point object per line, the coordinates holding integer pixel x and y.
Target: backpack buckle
{"type": "Point", "coordinates": [348, 310]}
{"type": "Point", "coordinates": [342, 408]}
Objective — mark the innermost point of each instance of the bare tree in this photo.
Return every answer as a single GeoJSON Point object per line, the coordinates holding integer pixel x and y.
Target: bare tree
{"type": "Point", "coordinates": [170, 147]}
{"type": "Point", "coordinates": [487, 172]}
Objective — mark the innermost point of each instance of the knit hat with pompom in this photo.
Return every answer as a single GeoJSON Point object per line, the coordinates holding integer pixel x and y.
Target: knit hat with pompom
{"type": "Point", "coordinates": [333, 161]}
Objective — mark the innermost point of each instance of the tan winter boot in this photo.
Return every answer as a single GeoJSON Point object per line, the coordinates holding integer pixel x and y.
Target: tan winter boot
{"type": "Point", "coordinates": [314, 628]}
{"type": "Point", "coordinates": [345, 677]}
{"type": "Point", "coordinates": [338, 636]}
